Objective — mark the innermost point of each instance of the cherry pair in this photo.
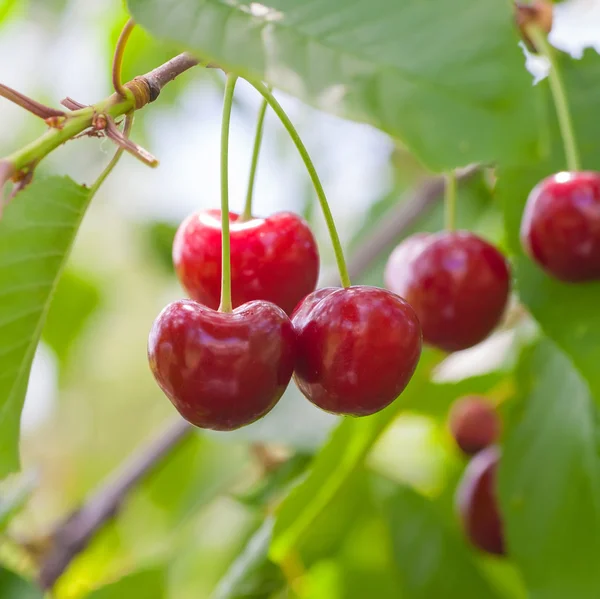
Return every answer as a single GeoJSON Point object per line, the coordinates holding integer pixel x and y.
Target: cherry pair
{"type": "Point", "coordinates": [353, 350]}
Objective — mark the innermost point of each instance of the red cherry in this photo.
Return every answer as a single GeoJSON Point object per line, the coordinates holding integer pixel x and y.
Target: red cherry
{"type": "Point", "coordinates": [457, 283]}
{"type": "Point", "coordinates": [477, 505]}
{"type": "Point", "coordinates": [222, 370]}
{"type": "Point", "coordinates": [474, 423]}
{"type": "Point", "coordinates": [357, 348]}
{"type": "Point", "coordinates": [560, 229]}
{"type": "Point", "coordinates": [273, 259]}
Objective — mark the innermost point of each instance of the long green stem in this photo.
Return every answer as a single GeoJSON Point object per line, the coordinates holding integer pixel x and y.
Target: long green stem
{"type": "Point", "coordinates": [559, 95]}
{"type": "Point", "coordinates": [247, 214]}
{"type": "Point", "coordinates": [450, 200]}
{"type": "Point", "coordinates": [226, 305]}
{"type": "Point", "coordinates": [118, 57]}
{"type": "Point", "coordinates": [285, 120]}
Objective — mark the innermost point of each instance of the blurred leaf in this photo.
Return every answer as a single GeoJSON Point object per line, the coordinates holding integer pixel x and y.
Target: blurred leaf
{"type": "Point", "coordinates": [549, 480]}
{"type": "Point", "coordinates": [343, 453]}
{"type": "Point", "coordinates": [7, 7]}
{"type": "Point", "coordinates": [548, 300]}
{"type": "Point", "coordinates": [75, 299]}
{"type": "Point", "coordinates": [447, 78]}
{"type": "Point", "coordinates": [15, 587]}
{"type": "Point", "coordinates": [159, 238]}
{"type": "Point", "coordinates": [270, 486]}
{"type": "Point", "coordinates": [252, 575]}
{"type": "Point", "coordinates": [36, 234]}
{"type": "Point", "coordinates": [145, 584]}
{"type": "Point", "coordinates": [432, 559]}
{"type": "Point", "coordinates": [14, 498]}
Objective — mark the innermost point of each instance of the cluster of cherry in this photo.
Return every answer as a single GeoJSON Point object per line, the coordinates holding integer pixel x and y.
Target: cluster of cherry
{"type": "Point", "coordinates": [352, 350]}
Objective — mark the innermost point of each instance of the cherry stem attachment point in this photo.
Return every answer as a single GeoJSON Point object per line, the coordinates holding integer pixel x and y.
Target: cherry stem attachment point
{"type": "Point", "coordinates": [247, 213]}
{"type": "Point", "coordinates": [118, 58]}
{"type": "Point", "coordinates": [450, 200]}
{"type": "Point", "coordinates": [117, 156]}
{"type": "Point", "coordinates": [226, 305]}
{"type": "Point", "coordinates": [264, 91]}
{"type": "Point", "coordinates": [559, 96]}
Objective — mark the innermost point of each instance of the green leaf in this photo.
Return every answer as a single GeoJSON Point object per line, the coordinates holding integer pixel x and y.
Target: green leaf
{"type": "Point", "coordinates": [333, 466]}
{"type": "Point", "coordinates": [15, 587]}
{"type": "Point", "coordinates": [432, 559]}
{"type": "Point", "coordinates": [145, 584]}
{"type": "Point", "coordinates": [252, 575]}
{"type": "Point", "coordinates": [75, 299]}
{"type": "Point", "coordinates": [446, 77]}
{"type": "Point", "coordinates": [549, 480]}
{"type": "Point", "coordinates": [36, 234]}
{"type": "Point", "coordinates": [548, 300]}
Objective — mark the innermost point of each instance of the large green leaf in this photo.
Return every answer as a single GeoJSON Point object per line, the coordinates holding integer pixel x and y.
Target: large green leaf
{"type": "Point", "coordinates": [343, 453]}
{"type": "Point", "coordinates": [549, 480]}
{"type": "Point", "coordinates": [445, 76]}
{"type": "Point", "coordinates": [15, 587]}
{"type": "Point", "coordinates": [36, 234]}
{"type": "Point", "coordinates": [567, 313]}
{"type": "Point", "coordinates": [145, 584]}
{"type": "Point", "coordinates": [432, 559]}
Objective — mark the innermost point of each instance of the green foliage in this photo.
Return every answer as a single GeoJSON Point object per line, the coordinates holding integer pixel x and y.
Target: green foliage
{"type": "Point", "coordinates": [432, 559]}
{"type": "Point", "coordinates": [149, 584]}
{"type": "Point", "coordinates": [75, 299]}
{"type": "Point", "coordinates": [36, 234]}
{"type": "Point", "coordinates": [550, 300]}
{"type": "Point", "coordinates": [550, 479]}
{"type": "Point", "coordinates": [446, 78]}
{"type": "Point", "coordinates": [15, 587]}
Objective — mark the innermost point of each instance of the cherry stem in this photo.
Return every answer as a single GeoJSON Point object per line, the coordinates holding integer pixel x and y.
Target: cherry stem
{"type": "Point", "coordinates": [117, 156]}
{"type": "Point", "coordinates": [450, 200]}
{"type": "Point", "coordinates": [118, 58]}
{"type": "Point", "coordinates": [264, 91]}
{"type": "Point", "coordinates": [247, 213]}
{"type": "Point", "coordinates": [559, 96]}
{"type": "Point", "coordinates": [226, 305]}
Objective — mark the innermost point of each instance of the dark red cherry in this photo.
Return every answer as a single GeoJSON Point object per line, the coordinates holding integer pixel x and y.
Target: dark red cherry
{"type": "Point", "coordinates": [477, 504]}
{"type": "Point", "coordinates": [357, 348]}
{"type": "Point", "coordinates": [273, 259]}
{"type": "Point", "coordinates": [474, 423]}
{"type": "Point", "coordinates": [457, 283]}
{"type": "Point", "coordinates": [222, 370]}
{"type": "Point", "coordinates": [560, 229]}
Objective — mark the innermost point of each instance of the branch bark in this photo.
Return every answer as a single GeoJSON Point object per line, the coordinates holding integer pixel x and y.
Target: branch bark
{"type": "Point", "coordinates": [73, 534]}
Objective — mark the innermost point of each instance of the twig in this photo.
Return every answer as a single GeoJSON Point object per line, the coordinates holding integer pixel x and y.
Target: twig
{"type": "Point", "coordinates": [72, 535]}
{"type": "Point", "coordinates": [29, 104]}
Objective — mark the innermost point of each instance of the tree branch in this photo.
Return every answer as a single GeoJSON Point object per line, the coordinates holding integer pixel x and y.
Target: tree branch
{"type": "Point", "coordinates": [74, 533]}
{"type": "Point", "coordinates": [140, 91]}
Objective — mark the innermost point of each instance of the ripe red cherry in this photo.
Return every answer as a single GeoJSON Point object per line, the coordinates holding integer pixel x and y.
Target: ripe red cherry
{"type": "Point", "coordinates": [474, 423]}
{"type": "Point", "coordinates": [560, 229]}
{"type": "Point", "coordinates": [357, 348]}
{"type": "Point", "coordinates": [273, 259]}
{"type": "Point", "coordinates": [222, 370]}
{"type": "Point", "coordinates": [457, 283]}
{"type": "Point", "coordinates": [477, 504]}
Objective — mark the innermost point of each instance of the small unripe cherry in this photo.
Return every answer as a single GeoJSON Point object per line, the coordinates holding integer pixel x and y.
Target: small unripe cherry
{"type": "Point", "coordinates": [476, 502]}
{"type": "Point", "coordinates": [474, 423]}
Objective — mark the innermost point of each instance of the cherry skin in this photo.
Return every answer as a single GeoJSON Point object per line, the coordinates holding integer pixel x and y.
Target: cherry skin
{"type": "Point", "coordinates": [474, 423]}
{"type": "Point", "coordinates": [222, 370]}
{"type": "Point", "coordinates": [457, 283]}
{"type": "Point", "coordinates": [477, 504]}
{"type": "Point", "coordinates": [357, 348]}
{"type": "Point", "coordinates": [560, 229]}
{"type": "Point", "coordinates": [274, 259]}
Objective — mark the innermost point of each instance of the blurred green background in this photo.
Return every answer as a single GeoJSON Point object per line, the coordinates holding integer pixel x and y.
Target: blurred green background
{"type": "Point", "coordinates": [92, 399]}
